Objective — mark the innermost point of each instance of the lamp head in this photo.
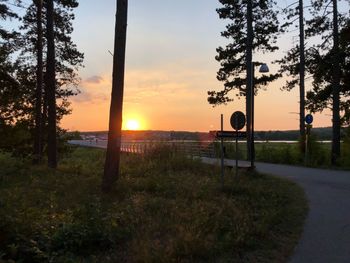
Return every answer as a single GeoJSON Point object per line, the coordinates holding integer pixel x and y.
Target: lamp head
{"type": "Point", "coordinates": [264, 68]}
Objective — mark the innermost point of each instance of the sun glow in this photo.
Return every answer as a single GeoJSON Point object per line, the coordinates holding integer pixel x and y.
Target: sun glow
{"type": "Point", "coordinates": [132, 125]}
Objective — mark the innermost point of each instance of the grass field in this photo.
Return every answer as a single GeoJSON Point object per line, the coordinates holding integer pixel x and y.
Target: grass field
{"type": "Point", "coordinates": [289, 153]}
{"type": "Point", "coordinates": [164, 208]}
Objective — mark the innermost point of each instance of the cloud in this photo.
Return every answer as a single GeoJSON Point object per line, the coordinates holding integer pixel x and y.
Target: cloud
{"type": "Point", "coordinates": [94, 89]}
{"type": "Point", "coordinates": [88, 97]}
{"type": "Point", "coordinates": [171, 84]}
{"type": "Point", "coordinates": [94, 80]}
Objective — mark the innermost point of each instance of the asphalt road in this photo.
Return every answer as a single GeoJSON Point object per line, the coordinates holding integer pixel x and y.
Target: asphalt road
{"type": "Point", "coordinates": [326, 236]}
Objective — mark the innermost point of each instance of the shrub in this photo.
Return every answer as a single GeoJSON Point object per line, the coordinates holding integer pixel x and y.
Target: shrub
{"type": "Point", "coordinates": [346, 148]}
{"type": "Point", "coordinates": [317, 155]}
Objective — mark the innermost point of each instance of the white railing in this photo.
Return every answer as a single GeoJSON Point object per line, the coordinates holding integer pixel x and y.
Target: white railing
{"type": "Point", "coordinates": [193, 148]}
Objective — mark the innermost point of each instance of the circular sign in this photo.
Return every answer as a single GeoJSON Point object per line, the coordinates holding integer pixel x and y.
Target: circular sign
{"type": "Point", "coordinates": [309, 119]}
{"type": "Point", "coordinates": [237, 120]}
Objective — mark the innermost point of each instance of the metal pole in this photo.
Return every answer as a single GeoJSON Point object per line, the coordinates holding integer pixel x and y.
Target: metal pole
{"type": "Point", "coordinates": [307, 144]}
{"type": "Point", "coordinates": [249, 61]}
{"type": "Point", "coordinates": [302, 75]}
{"type": "Point", "coordinates": [236, 153]}
{"type": "Point", "coordinates": [306, 147]}
{"type": "Point", "coordinates": [252, 148]}
{"type": "Point", "coordinates": [222, 151]}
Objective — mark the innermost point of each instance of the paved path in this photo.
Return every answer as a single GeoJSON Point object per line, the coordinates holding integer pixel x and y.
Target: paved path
{"type": "Point", "coordinates": [326, 236]}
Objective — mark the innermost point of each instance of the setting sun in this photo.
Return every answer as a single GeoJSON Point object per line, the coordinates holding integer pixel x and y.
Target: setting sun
{"type": "Point", "coordinates": [132, 125]}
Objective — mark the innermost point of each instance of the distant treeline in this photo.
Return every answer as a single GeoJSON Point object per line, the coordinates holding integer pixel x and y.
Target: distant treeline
{"type": "Point", "coordinates": [291, 135]}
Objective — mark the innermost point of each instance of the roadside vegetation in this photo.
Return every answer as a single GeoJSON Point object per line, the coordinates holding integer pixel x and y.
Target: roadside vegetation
{"type": "Point", "coordinates": [164, 208]}
{"type": "Point", "coordinates": [290, 153]}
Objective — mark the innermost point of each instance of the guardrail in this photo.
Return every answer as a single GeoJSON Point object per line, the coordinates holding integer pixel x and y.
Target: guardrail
{"type": "Point", "coordinates": [192, 148]}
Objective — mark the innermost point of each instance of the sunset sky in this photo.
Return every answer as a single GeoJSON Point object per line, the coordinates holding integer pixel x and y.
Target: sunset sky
{"type": "Point", "coordinates": [170, 66]}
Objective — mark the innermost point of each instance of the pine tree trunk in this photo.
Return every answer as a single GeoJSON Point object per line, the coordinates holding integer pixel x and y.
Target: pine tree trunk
{"type": "Point", "coordinates": [111, 169]}
{"type": "Point", "coordinates": [51, 88]}
{"type": "Point", "coordinates": [39, 86]}
{"type": "Point", "coordinates": [336, 88]}
{"type": "Point", "coordinates": [44, 123]}
{"type": "Point", "coordinates": [249, 81]}
{"type": "Point", "coordinates": [302, 76]}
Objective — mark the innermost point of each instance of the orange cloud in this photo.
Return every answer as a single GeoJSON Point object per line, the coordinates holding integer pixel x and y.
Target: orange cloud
{"type": "Point", "coordinates": [94, 80]}
{"type": "Point", "coordinates": [174, 97]}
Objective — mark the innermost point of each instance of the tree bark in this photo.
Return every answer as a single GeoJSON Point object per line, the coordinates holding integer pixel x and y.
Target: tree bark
{"type": "Point", "coordinates": [51, 88]}
{"type": "Point", "coordinates": [249, 81]}
{"type": "Point", "coordinates": [112, 162]}
{"type": "Point", "coordinates": [39, 85]}
{"type": "Point", "coordinates": [302, 75]}
{"type": "Point", "coordinates": [44, 122]}
{"type": "Point", "coordinates": [336, 88]}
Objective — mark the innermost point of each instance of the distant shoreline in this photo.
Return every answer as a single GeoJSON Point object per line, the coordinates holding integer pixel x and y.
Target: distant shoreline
{"type": "Point", "coordinates": [320, 134]}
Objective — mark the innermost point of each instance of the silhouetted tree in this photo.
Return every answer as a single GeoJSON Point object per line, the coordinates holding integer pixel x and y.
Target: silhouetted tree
{"type": "Point", "coordinates": [10, 90]}
{"type": "Point", "coordinates": [320, 97]}
{"type": "Point", "coordinates": [67, 60]}
{"type": "Point", "coordinates": [39, 83]}
{"type": "Point", "coordinates": [294, 62]}
{"type": "Point", "coordinates": [111, 169]}
{"type": "Point", "coordinates": [51, 87]}
{"type": "Point", "coordinates": [236, 57]}
{"type": "Point", "coordinates": [329, 59]}
{"type": "Point", "coordinates": [19, 69]}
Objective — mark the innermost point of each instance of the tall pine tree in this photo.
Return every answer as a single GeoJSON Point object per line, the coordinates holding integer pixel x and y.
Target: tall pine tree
{"type": "Point", "coordinates": [253, 27]}
{"type": "Point", "coordinates": [39, 84]}
{"type": "Point", "coordinates": [9, 86]}
{"type": "Point", "coordinates": [67, 62]}
{"type": "Point", "coordinates": [50, 87]}
{"type": "Point", "coordinates": [20, 103]}
{"type": "Point", "coordinates": [293, 63]}
{"type": "Point", "coordinates": [111, 169]}
{"type": "Point", "coordinates": [328, 61]}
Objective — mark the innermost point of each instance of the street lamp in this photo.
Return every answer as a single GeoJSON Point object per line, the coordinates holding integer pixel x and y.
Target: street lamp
{"type": "Point", "coordinates": [263, 69]}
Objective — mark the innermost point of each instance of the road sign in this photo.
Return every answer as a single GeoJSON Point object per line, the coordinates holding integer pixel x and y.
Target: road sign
{"type": "Point", "coordinates": [237, 120]}
{"type": "Point", "coordinates": [309, 118]}
{"type": "Point", "coordinates": [229, 134]}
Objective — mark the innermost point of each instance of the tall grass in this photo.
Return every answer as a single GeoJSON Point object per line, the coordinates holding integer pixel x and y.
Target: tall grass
{"type": "Point", "coordinates": [290, 153]}
{"type": "Point", "coordinates": [346, 149]}
{"type": "Point", "coordinates": [164, 208]}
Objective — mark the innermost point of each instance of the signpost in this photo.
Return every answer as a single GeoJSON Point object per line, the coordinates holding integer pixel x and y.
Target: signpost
{"type": "Point", "coordinates": [222, 152]}
{"type": "Point", "coordinates": [237, 121]}
{"type": "Point", "coordinates": [230, 134]}
{"type": "Point", "coordinates": [308, 119]}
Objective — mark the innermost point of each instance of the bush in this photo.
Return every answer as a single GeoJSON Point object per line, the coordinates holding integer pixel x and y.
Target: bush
{"type": "Point", "coordinates": [16, 139]}
{"type": "Point", "coordinates": [317, 155]}
{"type": "Point", "coordinates": [346, 148]}
{"type": "Point", "coordinates": [91, 231]}
{"type": "Point", "coordinates": [277, 153]}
